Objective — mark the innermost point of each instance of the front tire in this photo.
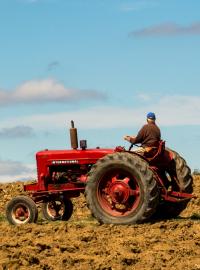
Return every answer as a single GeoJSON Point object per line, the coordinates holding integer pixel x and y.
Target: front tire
{"type": "Point", "coordinates": [121, 189]}
{"type": "Point", "coordinates": [21, 210]}
{"type": "Point", "coordinates": [57, 209]}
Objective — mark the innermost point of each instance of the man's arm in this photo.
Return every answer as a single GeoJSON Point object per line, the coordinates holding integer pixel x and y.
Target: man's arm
{"type": "Point", "coordinates": [136, 139]}
{"type": "Point", "coordinates": [129, 138]}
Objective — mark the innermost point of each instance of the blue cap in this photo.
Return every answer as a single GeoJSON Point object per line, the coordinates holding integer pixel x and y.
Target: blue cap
{"type": "Point", "coordinates": [151, 116]}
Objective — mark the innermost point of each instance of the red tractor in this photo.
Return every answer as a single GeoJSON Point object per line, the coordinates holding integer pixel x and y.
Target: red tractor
{"type": "Point", "coordinates": [120, 186]}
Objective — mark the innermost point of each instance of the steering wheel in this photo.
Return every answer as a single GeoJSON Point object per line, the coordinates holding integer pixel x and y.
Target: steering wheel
{"type": "Point", "coordinates": [131, 146]}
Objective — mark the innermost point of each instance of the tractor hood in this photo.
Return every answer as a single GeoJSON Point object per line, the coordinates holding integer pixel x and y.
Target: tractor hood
{"type": "Point", "coordinates": [77, 156]}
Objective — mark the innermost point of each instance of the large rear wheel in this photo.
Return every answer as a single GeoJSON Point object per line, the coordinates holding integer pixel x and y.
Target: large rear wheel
{"type": "Point", "coordinates": [121, 189]}
{"type": "Point", "coordinates": [180, 171]}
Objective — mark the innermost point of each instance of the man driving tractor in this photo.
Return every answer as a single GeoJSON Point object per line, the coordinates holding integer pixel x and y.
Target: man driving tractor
{"type": "Point", "coordinates": [148, 136]}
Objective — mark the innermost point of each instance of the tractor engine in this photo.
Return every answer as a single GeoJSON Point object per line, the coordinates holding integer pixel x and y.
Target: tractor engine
{"type": "Point", "coordinates": [71, 174]}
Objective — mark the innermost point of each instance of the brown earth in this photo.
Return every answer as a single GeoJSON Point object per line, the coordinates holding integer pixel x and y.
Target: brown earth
{"type": "Point", "coordinates": [82, 243]}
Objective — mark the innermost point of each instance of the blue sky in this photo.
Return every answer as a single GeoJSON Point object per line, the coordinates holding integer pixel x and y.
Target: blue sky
{"type": "Point", "coordinates": [102, 63]}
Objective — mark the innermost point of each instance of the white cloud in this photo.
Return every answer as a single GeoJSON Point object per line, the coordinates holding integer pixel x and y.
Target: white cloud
{"type": "Point", "coordinates": [11, 171]}
{"type": "Point", "coordinates": [170, 111]}
{"type": "Point", "coordinates": [179, 110]}
{"type": "Point", "coordinates": [48, 90]}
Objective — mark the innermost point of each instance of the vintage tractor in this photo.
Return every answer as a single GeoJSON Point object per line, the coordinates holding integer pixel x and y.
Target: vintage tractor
{"type": "Point", "coordinates": [120, 186]}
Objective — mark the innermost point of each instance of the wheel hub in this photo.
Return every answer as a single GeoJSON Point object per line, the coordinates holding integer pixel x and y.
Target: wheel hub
{"type": "Point", "coordinates": [119, 192]}
{"type": "Point", "coordinates": [21, 213]}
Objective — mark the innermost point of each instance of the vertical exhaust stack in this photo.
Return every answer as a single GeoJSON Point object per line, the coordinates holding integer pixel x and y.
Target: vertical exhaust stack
{"type": "Point", "coordinates": [73, 136]}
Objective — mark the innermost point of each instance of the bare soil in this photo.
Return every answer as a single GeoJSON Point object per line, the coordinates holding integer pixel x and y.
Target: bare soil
{"type": "Point", "coordinates": [82, 243]}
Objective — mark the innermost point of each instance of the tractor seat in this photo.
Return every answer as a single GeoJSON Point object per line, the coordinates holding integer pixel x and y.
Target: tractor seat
{"type": "Point", "coordinates": [155, 152]}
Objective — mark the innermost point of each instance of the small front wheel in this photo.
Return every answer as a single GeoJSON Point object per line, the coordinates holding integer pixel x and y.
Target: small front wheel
{"type": "Point", "coordinates": [57, 209]}
{"type": "Point", "coordinates": [21, 210]}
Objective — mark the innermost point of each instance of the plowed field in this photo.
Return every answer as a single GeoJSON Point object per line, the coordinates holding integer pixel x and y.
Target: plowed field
{"type": "Point", "coordinates": [82, 243]}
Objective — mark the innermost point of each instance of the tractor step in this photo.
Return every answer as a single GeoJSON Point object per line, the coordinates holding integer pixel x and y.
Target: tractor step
{"type": "Point", "coordinates": [175, 196]}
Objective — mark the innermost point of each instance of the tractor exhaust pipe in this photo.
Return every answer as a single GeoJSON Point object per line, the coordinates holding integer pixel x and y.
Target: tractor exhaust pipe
{"type": "Point", "coordinates": [73, 136]}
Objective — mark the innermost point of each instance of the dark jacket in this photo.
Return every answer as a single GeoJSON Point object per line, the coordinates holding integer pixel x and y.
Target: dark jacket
{"type": "Point", "coordinates": [149, 135]}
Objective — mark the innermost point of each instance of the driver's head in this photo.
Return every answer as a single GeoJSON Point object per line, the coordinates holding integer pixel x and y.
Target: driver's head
{"type": "Point", "coordinates": [151, 117]}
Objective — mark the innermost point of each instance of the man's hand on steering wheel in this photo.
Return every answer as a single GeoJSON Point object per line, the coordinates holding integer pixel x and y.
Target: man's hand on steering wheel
{"type": "Point", "coordinates": [127, 138]}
